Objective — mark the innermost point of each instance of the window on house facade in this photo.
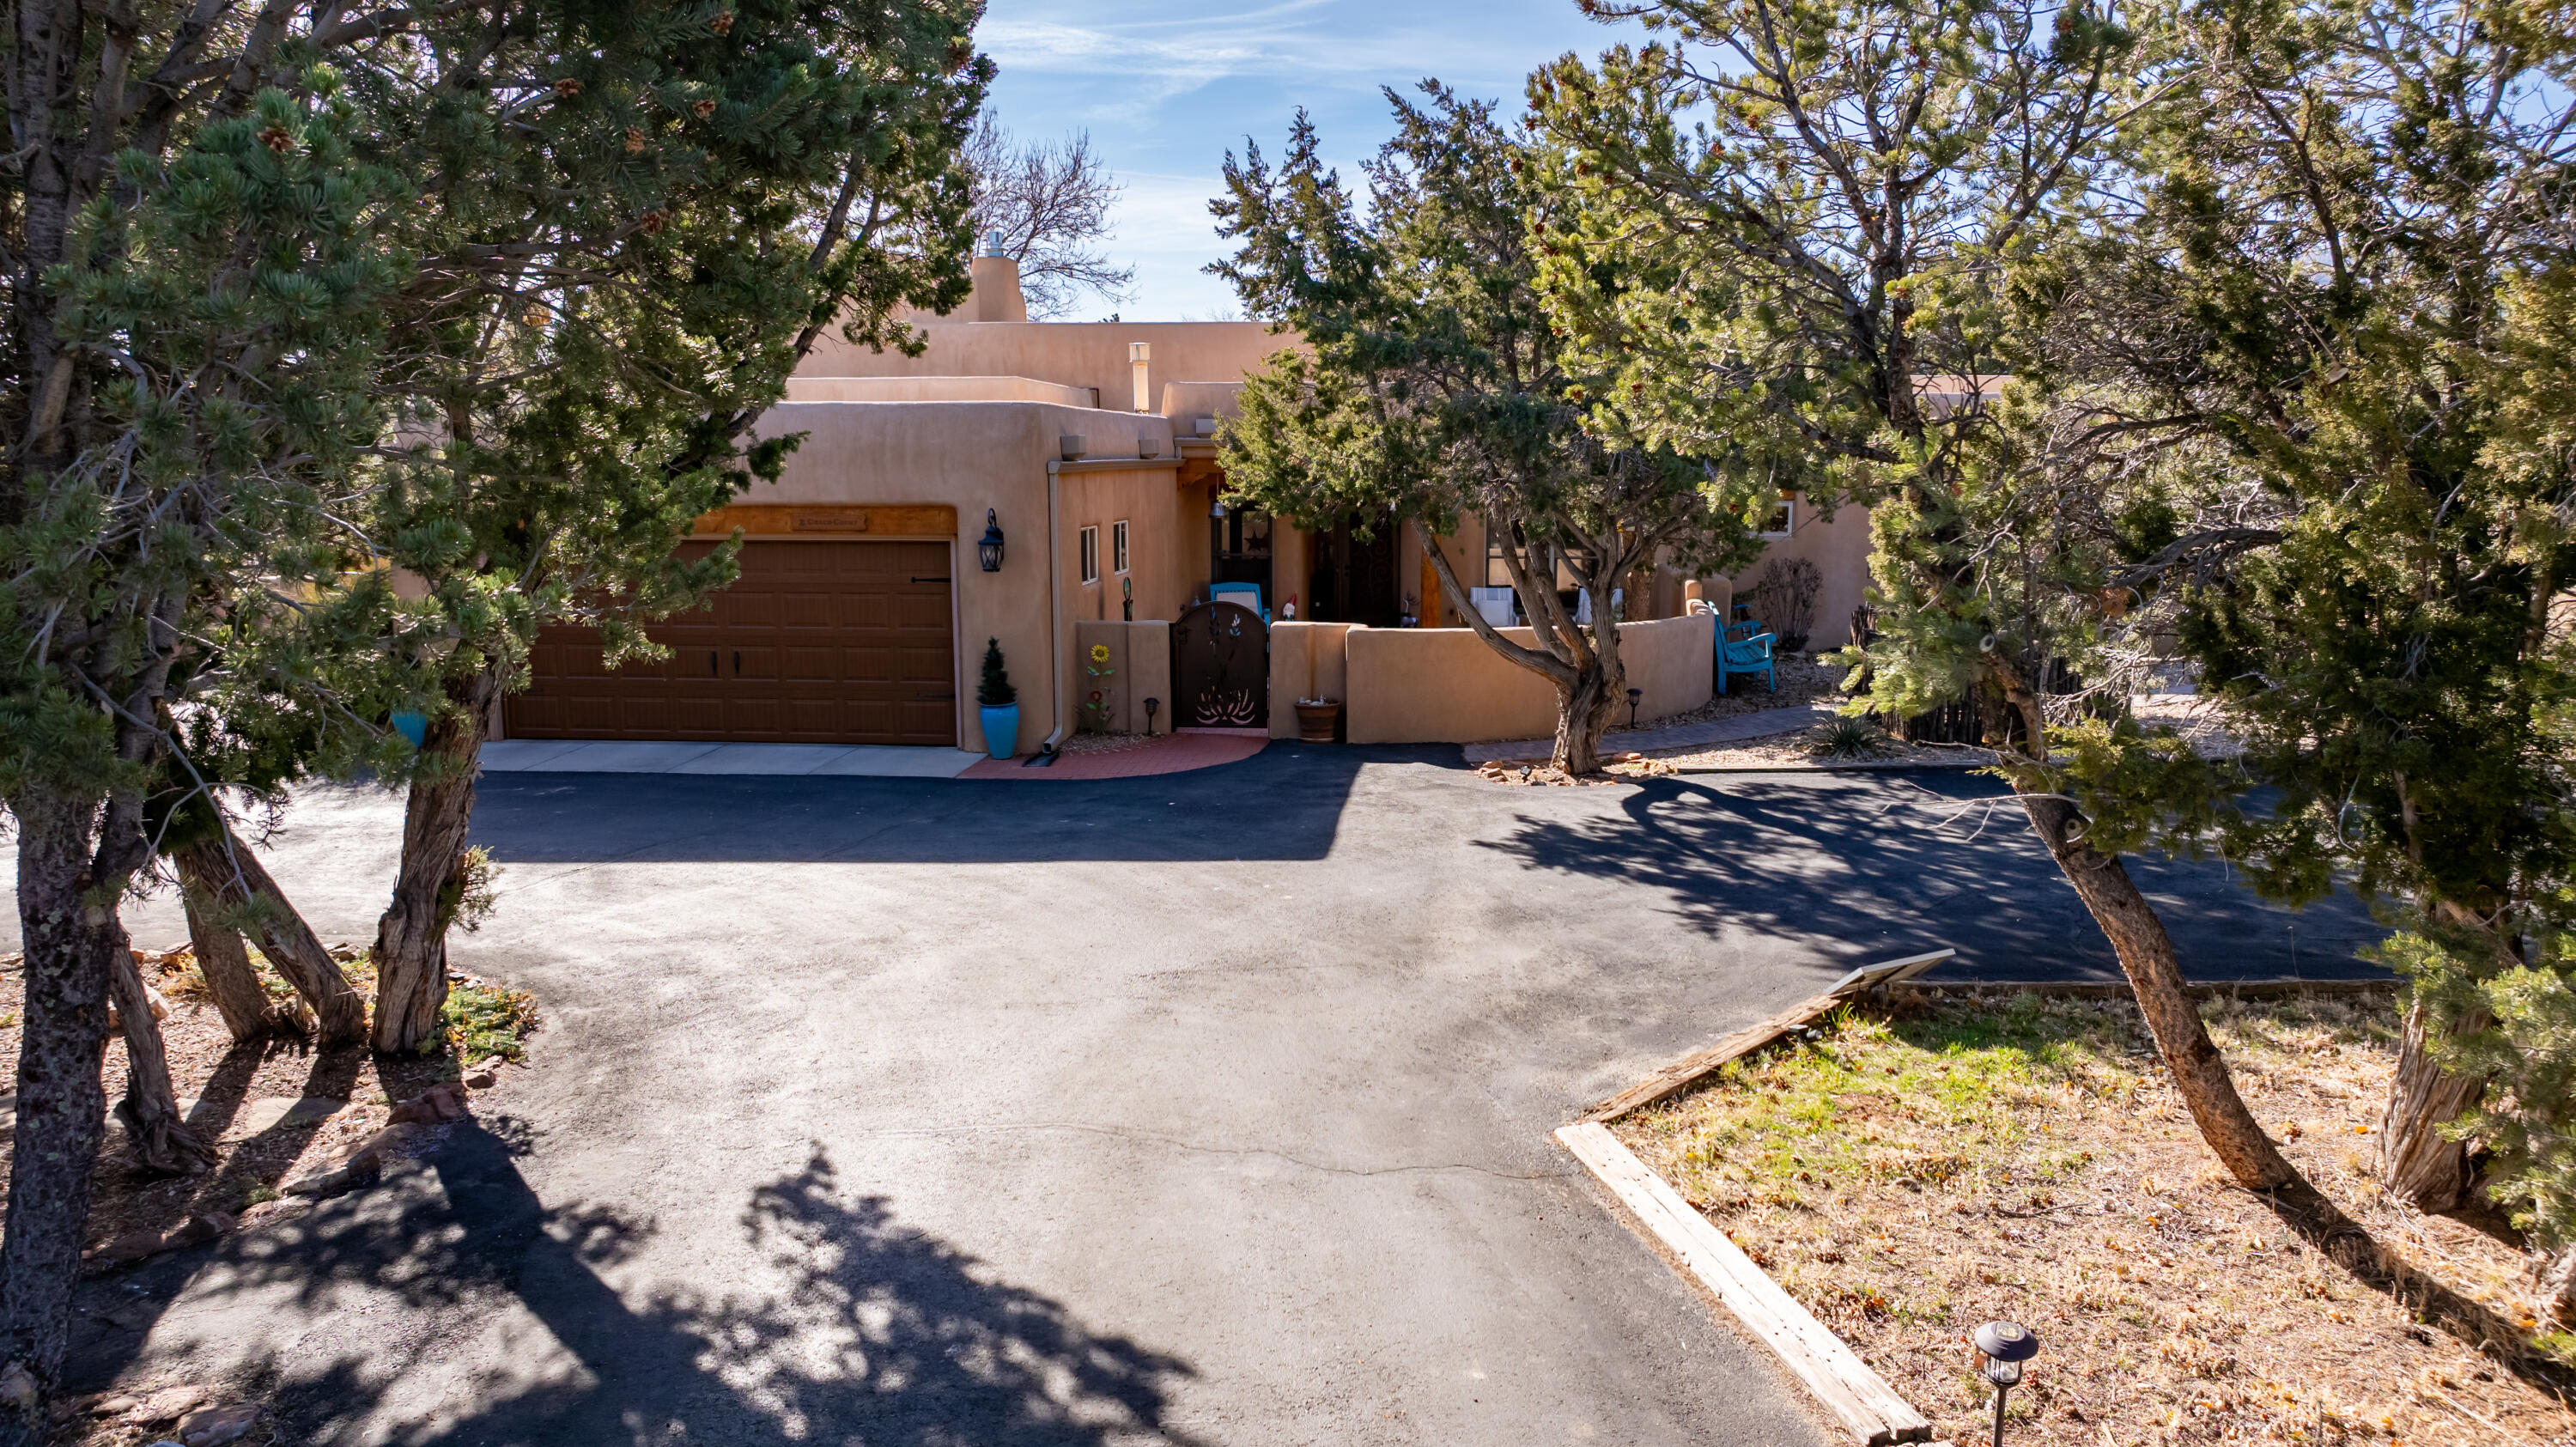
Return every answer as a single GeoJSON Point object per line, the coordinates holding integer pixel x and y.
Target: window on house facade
{"type": "Point", "coordinates": [1499, 576]}
{"type": "Point", "coordinates": [1118, 546]}
{"type": "Point", "coordinates": [1784, 518]}
{"type": "Point", "coordinates": [1091, 555]}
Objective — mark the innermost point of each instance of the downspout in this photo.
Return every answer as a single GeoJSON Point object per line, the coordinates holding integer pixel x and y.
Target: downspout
{"type": "Point", "coordinates": [1045, 757]}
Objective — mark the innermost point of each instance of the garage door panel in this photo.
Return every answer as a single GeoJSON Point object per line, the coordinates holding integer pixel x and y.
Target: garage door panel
{"type": "Point", "coordinates": [921, 665]}
{"type": "Point", "coordinates": [817, 642]}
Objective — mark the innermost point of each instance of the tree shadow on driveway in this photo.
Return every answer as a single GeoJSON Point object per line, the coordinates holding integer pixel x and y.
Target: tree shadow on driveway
{"type": "Point", "coordinates": [1296, 791]}
{"type": "Point", "coordinates": [851, 1327]}
{"type": "Point", "coordinates": [1929, 859]}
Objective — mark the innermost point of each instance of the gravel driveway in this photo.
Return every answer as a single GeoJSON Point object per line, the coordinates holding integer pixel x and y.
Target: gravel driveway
{"type": "Point", "coordinates": [1209, 1108]}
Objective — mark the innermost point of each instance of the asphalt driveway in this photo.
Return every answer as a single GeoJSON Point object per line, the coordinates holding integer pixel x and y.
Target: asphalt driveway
{"type": "Point", "coordinates": [1209, 1108]}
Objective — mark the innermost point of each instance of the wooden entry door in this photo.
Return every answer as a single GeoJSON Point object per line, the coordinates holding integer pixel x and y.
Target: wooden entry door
{"type": "Point", "coordinates": [1354, 578]}
{"type": "Point", "coordinates": [816, 643]}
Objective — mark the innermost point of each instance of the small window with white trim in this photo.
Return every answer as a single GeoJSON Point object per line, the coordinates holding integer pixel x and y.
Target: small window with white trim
{"type": "Point", "coordinates": [1118, 546]}
{"type": "Point", "coordinates": [1784, 518]}
{"type": "Point", "coordinates": [1091, 555]}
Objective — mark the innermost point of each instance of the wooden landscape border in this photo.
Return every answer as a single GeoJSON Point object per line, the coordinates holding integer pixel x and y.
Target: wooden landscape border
{"type": "Point", "coordinates": [1844, 1385]}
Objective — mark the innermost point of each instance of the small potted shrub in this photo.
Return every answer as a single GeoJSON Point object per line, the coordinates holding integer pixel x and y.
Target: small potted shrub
{"type": "Point", "coordinates": [1000, 703]}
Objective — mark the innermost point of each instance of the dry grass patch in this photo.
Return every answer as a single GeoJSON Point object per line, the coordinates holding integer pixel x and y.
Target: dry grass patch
{"type": "Point", "coordinates": [484, 1021]}
{"type": "Point", "coordinates": [1909, 1173]}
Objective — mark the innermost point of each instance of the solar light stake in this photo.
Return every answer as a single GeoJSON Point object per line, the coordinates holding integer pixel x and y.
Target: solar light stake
{"type": "Point", "coordinates": [2005, 1346]}
{"type": "Point", "coordinates": [1635, 697]}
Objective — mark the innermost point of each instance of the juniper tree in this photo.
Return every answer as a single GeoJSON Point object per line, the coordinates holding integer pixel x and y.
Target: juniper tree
{"type": "Point", "coordinates": [632, 223]}
{"type": "Point", "coordinates": [1430, 385]}
{"type": "Point", "coordinates": [2339, 282]}
{"type": "Point", "coordinates": [2268, 369]}
{"type": "Point", "coordinates": [195, 295]}
{"type": "Point", "coordinates": [217, 350]}
{"type": "Point", "coordinates": [1831, 190]}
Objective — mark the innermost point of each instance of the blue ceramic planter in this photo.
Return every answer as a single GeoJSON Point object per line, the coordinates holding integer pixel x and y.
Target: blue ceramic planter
{"type": "Point", "coordinates": [1001, 730]}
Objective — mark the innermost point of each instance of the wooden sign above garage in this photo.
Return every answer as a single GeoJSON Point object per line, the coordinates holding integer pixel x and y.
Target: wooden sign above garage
{"type": "Point", "coordinates": [779, 520]}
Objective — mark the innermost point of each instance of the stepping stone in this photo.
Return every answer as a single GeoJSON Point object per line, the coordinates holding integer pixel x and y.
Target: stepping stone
{"type": "Point", "coordinates": [268, 1112]}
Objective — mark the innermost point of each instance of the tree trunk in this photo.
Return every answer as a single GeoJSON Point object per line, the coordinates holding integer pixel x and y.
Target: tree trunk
{"type": "Point", "coordinates": [248, 1012]}
{"type": "Point", "coordinates": [149, 1112]}
{"type": "Point", "coordinates": [1582, 716]}
{"type": "Point", "coordinates": [71, 944]}
{"type": "Point", "coordinates": [2417, 1163]}
{"type": "Point", "coordinates": [1584, 710]}
{"type": "Point", "coordinates": [227, 871]}
{"type": "Point", "coordinates": [2146, 954]}
{"type": "Point", "coordinates": [2558, 1290]}
{"type": "Point", "coordinates": [411, 937]}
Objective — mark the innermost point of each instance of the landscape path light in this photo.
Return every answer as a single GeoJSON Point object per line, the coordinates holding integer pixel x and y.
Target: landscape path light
{"type": "Point", "coordinates": [1635, 697]}
{"type": "Point", "coordinates": [2005, 1345]}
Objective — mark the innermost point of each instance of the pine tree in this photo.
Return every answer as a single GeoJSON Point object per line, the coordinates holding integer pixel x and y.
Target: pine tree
{"type": "Point", "coordinates": [196, 298]}
{"type": "Point", "coordinates": [291, 300]}
{"type": "Point", "coordinates": [1822, 319]}
{"type": "Point", "coordinates": [639, 220]}
{"type": "Point", "coordinates": [1431, 386]}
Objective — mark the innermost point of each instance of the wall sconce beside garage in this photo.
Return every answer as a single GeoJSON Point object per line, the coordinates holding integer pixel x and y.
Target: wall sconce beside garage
{"type": "Point", "coordinates": [988, 550]}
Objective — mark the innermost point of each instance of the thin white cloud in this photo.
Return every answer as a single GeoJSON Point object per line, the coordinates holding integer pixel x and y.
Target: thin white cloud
{"type": "Point", "coordinates": [1166, 88]}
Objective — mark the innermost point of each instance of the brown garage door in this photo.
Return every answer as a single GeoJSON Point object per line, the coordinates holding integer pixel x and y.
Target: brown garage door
{"type": "Point", "coordinates": [816, 643]}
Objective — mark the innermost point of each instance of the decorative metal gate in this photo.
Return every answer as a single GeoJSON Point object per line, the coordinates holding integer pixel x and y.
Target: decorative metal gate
{"type": "Point", "coordinates": [1220, 668]}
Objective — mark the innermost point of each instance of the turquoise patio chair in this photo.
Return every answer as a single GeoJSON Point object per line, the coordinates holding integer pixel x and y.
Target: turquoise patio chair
{"type": "Point", "coordinates": [1217, 594]}
{"type": "Point", "coordinates": [1745, 647]}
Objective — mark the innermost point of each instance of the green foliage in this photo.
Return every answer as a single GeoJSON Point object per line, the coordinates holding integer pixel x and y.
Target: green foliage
{"type": "Point", "coordinates": [2515, 1026]}
{"type": "Point", "coordinates": [2284, 294]}
{"type": "Point", "coordinates": [220, 314]}
{"type": "Point", "coordinates": [994, 689]}
{"type": "Point", "coordinates": [1847, 738]}
{"type": "Point", "coordinates": [484, 1020]}
{"type": "Point", "coordinates": [1431, 385]}
{"type": "Point", "coordinates": [629, 243]}
{"type": "Point", "coordinates": [1778, 235]}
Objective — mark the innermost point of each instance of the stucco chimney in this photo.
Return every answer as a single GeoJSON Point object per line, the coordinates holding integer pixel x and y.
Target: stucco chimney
{"type": "Point", "coordinates": [996, 297]}
{"type": "Point", "coordinates": [1140, 357]}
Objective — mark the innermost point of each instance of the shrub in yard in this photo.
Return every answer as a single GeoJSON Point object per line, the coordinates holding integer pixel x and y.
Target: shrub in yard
{"type": "Point", "coordinates": [2514, 1029]}
{"type": "Point", "coordinates": [1847, 738]}
{"type": "Point", "coordinates": [483, 1020]}
{"type": "Point", "coordinates": [1783, 596]}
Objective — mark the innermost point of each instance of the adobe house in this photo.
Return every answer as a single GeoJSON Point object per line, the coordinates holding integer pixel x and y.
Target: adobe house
{"type": "Point", "coordinates": [1036, 483]}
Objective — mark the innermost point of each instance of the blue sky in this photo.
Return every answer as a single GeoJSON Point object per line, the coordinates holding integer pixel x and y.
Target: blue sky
{"type": "Point", "coordinates": [1167, 88]}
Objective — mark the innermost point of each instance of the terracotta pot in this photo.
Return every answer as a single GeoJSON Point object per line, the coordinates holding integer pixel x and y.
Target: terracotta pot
{"type": "Point", "coordinates": [1315, 721]}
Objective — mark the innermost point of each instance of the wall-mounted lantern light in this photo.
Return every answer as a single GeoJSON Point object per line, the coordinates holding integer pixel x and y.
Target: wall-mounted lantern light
{"type": "Point", "coordinates": [2005, 1346]}
{"type": "Point", "coordinates": [989, 551]}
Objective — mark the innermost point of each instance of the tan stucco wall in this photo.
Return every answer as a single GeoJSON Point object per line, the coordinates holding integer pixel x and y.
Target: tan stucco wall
{"type": "Point", "coordinates": [1140, 664]}
{"type": "Point", "coordinates": [1306, 661]}
{"type": "Point", "coordinates": [1446, 685]}
{"type": "Point", "coordinates": [972, 456]}
{"type": "Point", "coordinates": [1840, 551]}
{"type": "Point", "coordinates": [1077, 354]}
{"type": "Point", "coordinates": [934, 389]}
{"type": "Point", "coordinates": [1186, 402]}
{"type": "Point", "coordinates": [1167, 547]}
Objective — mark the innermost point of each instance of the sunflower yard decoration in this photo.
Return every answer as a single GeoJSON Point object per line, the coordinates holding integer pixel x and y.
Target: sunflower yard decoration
{"type": "Point", "coordinates": [1096, 704]}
